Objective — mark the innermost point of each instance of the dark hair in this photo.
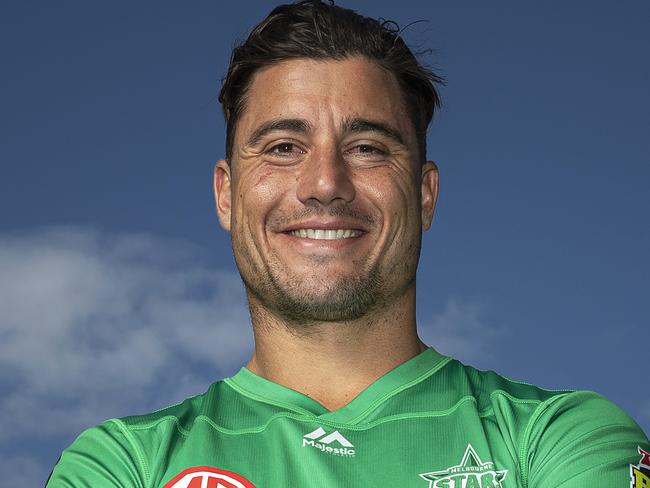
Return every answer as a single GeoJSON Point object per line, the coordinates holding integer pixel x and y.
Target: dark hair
{"type": "Point", "coordinates": [315, 30]}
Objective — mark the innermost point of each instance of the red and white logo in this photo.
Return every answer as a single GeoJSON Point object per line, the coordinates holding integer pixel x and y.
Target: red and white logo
{"type": "Point", "coordinates": [206, 477]}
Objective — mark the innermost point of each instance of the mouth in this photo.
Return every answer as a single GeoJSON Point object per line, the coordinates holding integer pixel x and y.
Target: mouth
{"type": "Point", "coordinates": [325, 234]}
{"type": "Point", "coordinates": [324, 240]}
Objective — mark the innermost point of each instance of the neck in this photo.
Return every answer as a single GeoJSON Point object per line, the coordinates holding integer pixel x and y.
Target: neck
{"type": "Point", "coordinates": [332, 362]}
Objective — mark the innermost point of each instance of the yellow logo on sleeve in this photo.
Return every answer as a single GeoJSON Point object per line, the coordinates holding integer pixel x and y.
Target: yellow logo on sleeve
{"type": "Point", "coordinates": [640, 474]}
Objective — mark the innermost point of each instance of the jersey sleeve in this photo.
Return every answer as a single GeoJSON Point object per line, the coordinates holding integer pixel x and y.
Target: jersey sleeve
{"type": "Point", "coordinates": [581, 439]}
{"type": "Point", "coordinates": [106, 456]}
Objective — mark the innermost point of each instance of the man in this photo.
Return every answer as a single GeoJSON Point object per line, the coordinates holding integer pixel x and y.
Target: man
{"type": "Point", "coordinates": [325, 191]}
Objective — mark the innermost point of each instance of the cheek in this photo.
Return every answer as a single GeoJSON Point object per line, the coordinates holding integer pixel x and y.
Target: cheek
{"type": "Point", "coordinates": [256, 195]}
{"type": "Point", "coordinates": [267, 188]}
{"type": "Point", "coordinates": [394, 195]}
{"type": "Point", "coordinates": [259, 178]}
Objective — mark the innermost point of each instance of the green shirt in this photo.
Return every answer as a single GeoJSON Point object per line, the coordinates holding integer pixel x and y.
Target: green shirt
{"type": "Point", "coordinates": [432, 422]}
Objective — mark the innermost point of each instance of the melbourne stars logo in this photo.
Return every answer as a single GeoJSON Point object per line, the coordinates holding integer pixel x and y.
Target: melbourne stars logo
{"type": "Point", "coordinates": [470, 473]}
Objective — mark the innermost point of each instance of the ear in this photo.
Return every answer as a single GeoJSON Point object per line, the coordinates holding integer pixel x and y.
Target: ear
{"type": "Point", "coordinates": [223, 192]}
{"type": "Point", "coordinates": [429, 192]}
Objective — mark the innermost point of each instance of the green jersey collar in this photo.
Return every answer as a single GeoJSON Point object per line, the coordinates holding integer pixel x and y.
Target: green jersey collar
{"type": "Point", "coordinates": [398, 379]}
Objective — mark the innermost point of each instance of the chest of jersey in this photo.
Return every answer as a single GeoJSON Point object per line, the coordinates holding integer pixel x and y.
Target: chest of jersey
{"type": "Point", "coordinates": [458, 449]}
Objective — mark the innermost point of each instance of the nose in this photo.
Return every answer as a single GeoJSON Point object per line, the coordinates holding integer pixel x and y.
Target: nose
{"type": "Point", "coordinates": [325, 177]}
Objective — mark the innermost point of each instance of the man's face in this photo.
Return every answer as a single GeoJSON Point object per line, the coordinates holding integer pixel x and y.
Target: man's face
{"type": "Point", "coordinates": [325, 197]}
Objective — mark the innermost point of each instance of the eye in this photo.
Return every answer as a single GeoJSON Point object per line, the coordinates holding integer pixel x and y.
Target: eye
{"type": "Point", "coordinates": [368, 149]}
{"type": "Point", "coordinates": [367, 152]}
{"type": "Point", "coordinates": [285, 149]}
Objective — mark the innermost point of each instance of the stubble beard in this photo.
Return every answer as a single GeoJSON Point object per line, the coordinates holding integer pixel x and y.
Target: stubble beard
{"type": "Point", "coordinates": [305, 301]}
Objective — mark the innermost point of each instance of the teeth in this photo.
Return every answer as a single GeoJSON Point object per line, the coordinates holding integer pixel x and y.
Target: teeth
{"type": "Point", "coordinates": [328, 235]}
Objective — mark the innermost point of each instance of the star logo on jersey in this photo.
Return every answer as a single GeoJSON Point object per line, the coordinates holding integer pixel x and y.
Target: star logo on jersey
{"type": "Point", "coordinates": [332, 443]}
{"type": "Point", "coordinates": [470, 473]}
{"type": "Point", "coordinates": [640, 474]}
{"type": "Point", "coordinates": [207, 477]}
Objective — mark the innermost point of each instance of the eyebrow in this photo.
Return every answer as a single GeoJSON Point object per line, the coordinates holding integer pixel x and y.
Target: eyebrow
{"type": "Point", "coordinates": [293, 125]}
{"type": "Point", "coordinates": [357, 125]}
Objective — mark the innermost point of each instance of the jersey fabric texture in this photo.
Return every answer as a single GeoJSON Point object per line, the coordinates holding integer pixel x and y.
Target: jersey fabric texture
{"type": "Point", "coordinates": [432, 422]}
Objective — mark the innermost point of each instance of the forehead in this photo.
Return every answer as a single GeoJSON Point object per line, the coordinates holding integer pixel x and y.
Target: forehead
{"type": "Point", "coordinates": [325, 92]}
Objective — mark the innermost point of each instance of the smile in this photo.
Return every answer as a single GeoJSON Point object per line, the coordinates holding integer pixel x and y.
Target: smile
{"type": "Point", "coordinates": [325, 234]}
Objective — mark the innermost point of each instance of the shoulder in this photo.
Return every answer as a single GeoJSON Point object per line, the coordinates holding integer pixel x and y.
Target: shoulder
{"type": "Point", "coordinates": [561, 437]}
{"type": "Point", "coordinates": [581, 439]}
{"type": "Point", "coordinates": [491, 390]}
{"type": "Point", "coordinates": [104, 455]}
{"type": "Point", "coordinates": [541, 411]}
{"type": "Point", "coordinates": [181, 415]}
{"type": "Point", "coordinates": [116, 452]}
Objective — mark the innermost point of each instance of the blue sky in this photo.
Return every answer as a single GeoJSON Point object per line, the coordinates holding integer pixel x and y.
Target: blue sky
{"type": "Point", "coordinates": [118, 292]}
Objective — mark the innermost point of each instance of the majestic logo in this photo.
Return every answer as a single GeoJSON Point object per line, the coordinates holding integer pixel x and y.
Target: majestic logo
{"type": "Point", "coordinates": [470, 473]}
{"type": "Point", "coordinates": [206, 477]}
{"type": "Point", "coordinates": [640, 474]}
{"type": "Point", "coordinates": [327, 443]}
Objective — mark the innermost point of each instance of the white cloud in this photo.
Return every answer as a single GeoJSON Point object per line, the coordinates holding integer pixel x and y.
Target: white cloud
{"type": "Point", "coordinates": [462, 332]}
{"type": "Point", "coordinates": [94, 325]}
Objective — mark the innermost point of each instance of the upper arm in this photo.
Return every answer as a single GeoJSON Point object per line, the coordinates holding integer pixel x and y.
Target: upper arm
{"type": "Point", "coordinates": [101, 456]}
{"type": "Point", "coordinates": [581, 439]}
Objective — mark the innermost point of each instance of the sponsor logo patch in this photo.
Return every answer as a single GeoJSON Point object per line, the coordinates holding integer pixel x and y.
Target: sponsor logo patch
{"type": "Point", "coordinates": [333, 443]}
{"type": "Point", "coordinates": [470, 473]}
{"type": "Point", "coordinates": [640, 474]}
{"type": "Point", "coordinates": [207, 477]}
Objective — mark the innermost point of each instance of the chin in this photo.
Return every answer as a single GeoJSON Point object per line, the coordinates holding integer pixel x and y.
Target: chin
{"type": "Point", "coordinates": [342, 300]}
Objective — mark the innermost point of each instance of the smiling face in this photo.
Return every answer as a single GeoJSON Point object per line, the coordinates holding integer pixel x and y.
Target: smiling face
{"type": "Point", "coordinates": [325, 197]}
